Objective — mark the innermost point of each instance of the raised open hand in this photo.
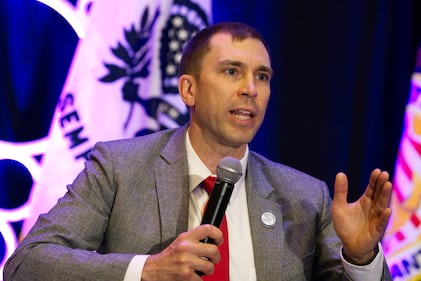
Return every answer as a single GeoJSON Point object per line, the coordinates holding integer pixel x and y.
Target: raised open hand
{"type": "Point", "coordinates": [361, 225]}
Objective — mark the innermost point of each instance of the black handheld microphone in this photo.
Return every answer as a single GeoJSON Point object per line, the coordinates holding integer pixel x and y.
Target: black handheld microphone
{"type": "Point", "coordinates": [228, 172]}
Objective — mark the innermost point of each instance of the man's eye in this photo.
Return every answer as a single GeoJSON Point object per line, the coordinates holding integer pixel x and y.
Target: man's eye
{"type": "Point", "coordinates": [231, 71]}
{"type": "Point", "coordinates": [262, 77]}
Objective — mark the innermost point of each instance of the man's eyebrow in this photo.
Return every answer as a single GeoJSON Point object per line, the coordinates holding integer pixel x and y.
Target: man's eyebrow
{"type": "Point", "coordinates": [231, 62]}
{"type": "Point", "coordinates": [267, 69]}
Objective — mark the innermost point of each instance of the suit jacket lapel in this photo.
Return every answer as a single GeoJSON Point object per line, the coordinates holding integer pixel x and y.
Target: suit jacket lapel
{"type": "Point", "coordinates": [172, 185]}
{"type": "Point", "coordinates": [267, 234]}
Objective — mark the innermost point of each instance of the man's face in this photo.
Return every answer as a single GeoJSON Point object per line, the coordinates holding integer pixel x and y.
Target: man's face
{"type": "Point", "coordinates": [232, 92]}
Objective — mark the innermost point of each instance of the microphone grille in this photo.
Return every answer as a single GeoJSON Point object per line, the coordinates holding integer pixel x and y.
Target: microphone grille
{"type": "Point", "coordinates": [229, 169]}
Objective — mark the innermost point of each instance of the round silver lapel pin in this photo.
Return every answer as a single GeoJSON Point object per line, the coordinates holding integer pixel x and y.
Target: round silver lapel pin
{"type": "Point", "coordinates": [268, 219]}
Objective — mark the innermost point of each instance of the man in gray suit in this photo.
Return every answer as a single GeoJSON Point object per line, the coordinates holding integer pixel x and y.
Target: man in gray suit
{"type": "Point", "coordinates": [134, 212]}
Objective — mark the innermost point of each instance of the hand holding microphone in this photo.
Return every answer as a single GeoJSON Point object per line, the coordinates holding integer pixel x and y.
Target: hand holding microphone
{"type": "Point", "coordinates": [183, 252]}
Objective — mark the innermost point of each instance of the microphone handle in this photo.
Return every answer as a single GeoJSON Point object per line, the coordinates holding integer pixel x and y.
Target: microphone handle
{"type": "Point", "coordinates": [216, 207]}
{"type": "Point", "coordinates": [217, 203]}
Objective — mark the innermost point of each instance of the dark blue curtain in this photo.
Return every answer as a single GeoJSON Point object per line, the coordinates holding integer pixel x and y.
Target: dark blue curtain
{"type": "Point", "coordinates": [342, 72]}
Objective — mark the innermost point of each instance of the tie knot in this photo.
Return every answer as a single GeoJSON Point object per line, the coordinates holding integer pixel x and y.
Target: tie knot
{"type": "Point", "coordinates": [209, 183]}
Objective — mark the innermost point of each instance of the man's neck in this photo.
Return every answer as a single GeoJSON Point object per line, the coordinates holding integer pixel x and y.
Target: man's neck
{"type": "Point", "coordinates": [212, 154]}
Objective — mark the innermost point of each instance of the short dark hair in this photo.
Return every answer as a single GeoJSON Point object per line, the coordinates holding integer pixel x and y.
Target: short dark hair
{"type": "Point", "coordinates": [198, 46]}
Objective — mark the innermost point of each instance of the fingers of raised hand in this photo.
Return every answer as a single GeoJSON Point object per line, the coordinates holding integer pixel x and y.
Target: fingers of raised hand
{"type": "Point", "coordinates": [379, 188]}
{"type": "Point", "coordinates": [379, 192]}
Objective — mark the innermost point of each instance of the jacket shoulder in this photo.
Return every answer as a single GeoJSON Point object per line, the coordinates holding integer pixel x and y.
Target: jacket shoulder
{"type": "Point", "coordinates": [285, 179]}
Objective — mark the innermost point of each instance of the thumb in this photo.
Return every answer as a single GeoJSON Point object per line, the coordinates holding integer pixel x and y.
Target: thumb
{"type": "Point", "coordinates": [340, 189]}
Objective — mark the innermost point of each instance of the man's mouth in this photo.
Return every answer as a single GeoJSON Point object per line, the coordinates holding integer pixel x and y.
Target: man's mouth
{"type": "Point", "coordinates": [242, 114]}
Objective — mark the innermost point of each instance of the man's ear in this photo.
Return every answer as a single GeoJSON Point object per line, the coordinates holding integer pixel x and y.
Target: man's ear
{"type": "Point", "coordinates": [186, 88]}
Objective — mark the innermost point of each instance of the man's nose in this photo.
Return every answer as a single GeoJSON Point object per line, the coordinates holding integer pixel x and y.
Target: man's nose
{"type": "Point", "coordinates": [248, 87]}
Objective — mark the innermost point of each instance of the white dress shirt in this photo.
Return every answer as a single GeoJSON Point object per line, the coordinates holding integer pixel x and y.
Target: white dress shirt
{"type": "Point", "coordinates": [240, 244]}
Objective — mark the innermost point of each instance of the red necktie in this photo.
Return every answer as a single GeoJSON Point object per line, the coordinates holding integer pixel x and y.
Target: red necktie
{"type": "Point", "coordinates": [221, 272]}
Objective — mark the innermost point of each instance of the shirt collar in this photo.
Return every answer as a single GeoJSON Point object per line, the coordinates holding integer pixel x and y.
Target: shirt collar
{"type": "Point", "coordinates": [198, 170]}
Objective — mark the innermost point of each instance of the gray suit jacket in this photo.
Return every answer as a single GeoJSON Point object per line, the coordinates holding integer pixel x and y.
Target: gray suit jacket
{"type": "Point", "coordinates": [132, 198]}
